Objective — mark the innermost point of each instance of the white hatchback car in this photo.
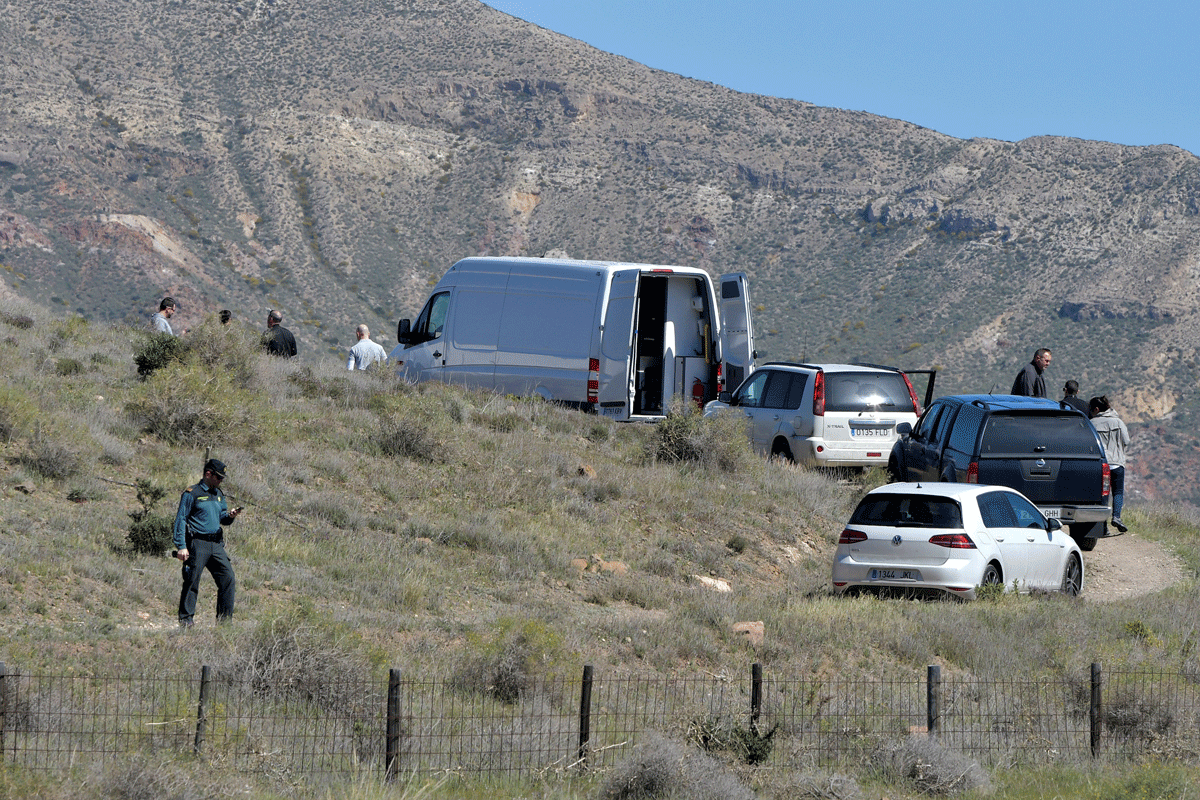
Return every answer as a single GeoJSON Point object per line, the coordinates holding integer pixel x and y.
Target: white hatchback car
{"type": "Point", "coordinates": [951, 538]}
{"type": "Point", "coordinates": [825, 415]}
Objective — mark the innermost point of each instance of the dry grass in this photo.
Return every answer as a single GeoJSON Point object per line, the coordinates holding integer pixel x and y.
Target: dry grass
{"type": "Point", "coordinates": [492, 509]}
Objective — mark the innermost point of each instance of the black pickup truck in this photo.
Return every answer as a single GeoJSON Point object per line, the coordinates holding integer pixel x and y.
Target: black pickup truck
{"type": "Point", "coordinates": [1046, 450]}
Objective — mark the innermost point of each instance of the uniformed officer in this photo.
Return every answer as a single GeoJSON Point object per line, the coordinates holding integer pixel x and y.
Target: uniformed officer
{"type": "Point", "coordinates": [200, 542]}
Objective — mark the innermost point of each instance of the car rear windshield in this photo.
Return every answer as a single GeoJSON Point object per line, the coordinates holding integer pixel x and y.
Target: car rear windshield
{"type": "Point", "coordinates": [908, 510]}
{"type": "Point", "coordinates": [1039, 435]}
{"type": "Point", "coordinates": [864, 391]}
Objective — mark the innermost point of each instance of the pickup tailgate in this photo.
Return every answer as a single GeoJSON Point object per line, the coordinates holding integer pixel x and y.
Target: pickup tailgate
{"type": "Point", "coordinates": [1051, 459]}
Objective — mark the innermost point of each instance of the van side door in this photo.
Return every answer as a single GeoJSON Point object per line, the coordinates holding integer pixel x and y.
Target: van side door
{"type": "Point", "coordinates": [737, 329]}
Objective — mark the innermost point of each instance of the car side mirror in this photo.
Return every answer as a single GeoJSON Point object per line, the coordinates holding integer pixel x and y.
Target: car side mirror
{"type": "Point", "coordinates": [1053, 524]}
{"type": "Point", "coordinates": [904, 429]}
{"type": "Point", "coordinates": [726, 398]}
{"type": "Point", "coordinates": [403, 328]}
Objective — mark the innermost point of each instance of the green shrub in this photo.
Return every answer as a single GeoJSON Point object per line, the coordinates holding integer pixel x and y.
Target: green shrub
{"type": "Point", "coordinates": [302, 654]}
{"type": "Point", "coordinates": [68, 366]}
{"type": "Point", "coordinates": [157, 351]}
{"type": "Point", "coordinates": [63, 331]}
{"type": "Point", "coordinates": [53, 460]}
{"type": "Point", "coordinates": [686, 435]}
{"type": "Point", "coordinates": [190, 405]}
{"type": "Point", "coordinates": [17, 413]}
{"type": "Point", "coordinates": [150, 534]}
{"type": "Point", "coordinates": [227, 349]}
{"type": "Point", "coordinates": [505, 666]}
{"type": "Point", "coordinates": [20, 321]}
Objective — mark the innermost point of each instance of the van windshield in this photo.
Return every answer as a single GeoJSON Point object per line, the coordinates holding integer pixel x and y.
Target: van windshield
{"type": "Point", "coordinates": [867, 391]}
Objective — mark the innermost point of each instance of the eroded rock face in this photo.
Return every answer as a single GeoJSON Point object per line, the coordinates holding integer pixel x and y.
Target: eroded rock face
{"type": "Point", "coordinates": [339, 162]}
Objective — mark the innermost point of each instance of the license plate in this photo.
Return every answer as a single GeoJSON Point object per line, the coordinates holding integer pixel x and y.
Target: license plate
{"type": "Point", "coordinates": [895, 575]}
{"type": "Point", "coordinates": [612, 411]}
{"type": "Point", "coordinates": [1051, 513]}
{"type": "Point", "coordinates": [870, 431]}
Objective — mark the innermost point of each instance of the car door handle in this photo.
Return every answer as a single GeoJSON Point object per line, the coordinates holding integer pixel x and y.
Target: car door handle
{"type": "Point", "coordinates": [436, 354]}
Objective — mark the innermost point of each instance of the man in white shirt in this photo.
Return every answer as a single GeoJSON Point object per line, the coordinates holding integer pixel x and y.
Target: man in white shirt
{"type": "Point", "coordinates": [366, 352]}
{"type": "Point", "coordinates": [159, 323]}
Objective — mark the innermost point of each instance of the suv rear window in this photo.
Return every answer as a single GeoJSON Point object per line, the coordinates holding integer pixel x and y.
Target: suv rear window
{"type": "Point", "coordinates": [860, 391]}
{"type": "Point", "coordinates": [1038, 435]}
{"type": "Point", "coordinates": [908, 510]}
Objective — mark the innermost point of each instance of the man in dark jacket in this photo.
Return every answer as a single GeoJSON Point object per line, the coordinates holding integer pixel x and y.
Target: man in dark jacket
{"type": "Point", "coordinates": [1071, 396]}
{"type": "Point", "coordinates": [276, 339]}
{"type": "Point", "coordinates": [1029, 382]}
{"type": "Point", "coordinates": [200, 542]}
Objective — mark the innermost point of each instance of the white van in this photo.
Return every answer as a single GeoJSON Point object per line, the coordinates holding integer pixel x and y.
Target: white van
{"type": "Point", "coordinates": [619, 339]}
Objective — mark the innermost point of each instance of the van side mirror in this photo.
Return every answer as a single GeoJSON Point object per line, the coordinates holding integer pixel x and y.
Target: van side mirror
{"type": "Point", "coordinates": [402, 331]}
{"type": "Point", "coordinates": [904, 428]}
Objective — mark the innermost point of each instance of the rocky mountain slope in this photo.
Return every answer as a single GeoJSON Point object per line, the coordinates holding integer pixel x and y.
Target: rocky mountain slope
{"type": "Point", "coordinates": [332, 157]}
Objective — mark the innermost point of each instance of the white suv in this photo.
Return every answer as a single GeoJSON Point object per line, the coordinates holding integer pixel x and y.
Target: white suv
{"type": "Point", "coordinates": [828, 415]}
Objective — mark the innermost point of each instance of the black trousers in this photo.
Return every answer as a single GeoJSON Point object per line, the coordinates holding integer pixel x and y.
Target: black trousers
{"type": "Point", "coordinates": [211, 555]}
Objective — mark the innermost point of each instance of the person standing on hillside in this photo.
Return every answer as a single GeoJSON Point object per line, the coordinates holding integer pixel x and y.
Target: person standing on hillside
{"type": "Point", "coordinates": [1029, 382]}
{"type": "Point", "coordinates": [1071, 396]}
{"type": "Point", "coordinates": [276, 339]}
{"type": "Point", "coordinates": [1115, 438]}
{"type": "Point", "coordinates": [200, 542]}
{"type": "Point", "coordinates": [160, 322]}
{"type": "Point", "coordinates": [365, 352]}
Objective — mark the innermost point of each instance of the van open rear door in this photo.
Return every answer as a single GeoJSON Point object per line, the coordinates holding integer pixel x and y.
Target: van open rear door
{"type": "Point", "coordinates": [616, 347]}
{"type": "Point", "coordinates": [737, 330]}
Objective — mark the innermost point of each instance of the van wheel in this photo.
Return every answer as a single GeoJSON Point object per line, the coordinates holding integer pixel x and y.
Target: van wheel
{"type": "Point", "coordinates": [781, 451]}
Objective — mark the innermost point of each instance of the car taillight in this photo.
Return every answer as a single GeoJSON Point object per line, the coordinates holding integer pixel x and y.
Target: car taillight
{"type": "Point", "coordinates": [851, 537]}
{"type": "Point", "coordinates": [973, 472]}
{"type": "Point", "coordinates": [912, 394]}
{"type": "Point", "coordinates": [819, 395]}
{"type": "Point", "coordinates": [954, 541]}
{"type": "Point", "coordinates": [1106, 481]}
{"type": "Point", "coordinates": [720, 378]}
{"type": "Point", "coordinates": [593, 389]}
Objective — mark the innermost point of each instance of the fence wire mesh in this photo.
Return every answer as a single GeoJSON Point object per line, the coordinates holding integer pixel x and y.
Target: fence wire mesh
{"type": "Point", "coordinates": [57, 722]}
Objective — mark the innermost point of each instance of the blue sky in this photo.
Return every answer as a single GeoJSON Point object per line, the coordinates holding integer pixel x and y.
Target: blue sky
{"type": "Point", "coordinates": [1125, 72]}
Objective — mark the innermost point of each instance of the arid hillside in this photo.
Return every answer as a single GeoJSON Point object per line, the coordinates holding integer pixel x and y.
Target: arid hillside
{"type": "Point", "coordinates": [332, 158]}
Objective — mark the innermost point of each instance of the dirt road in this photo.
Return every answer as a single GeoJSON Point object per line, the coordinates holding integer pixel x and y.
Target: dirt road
{"type": "Point", "coordinates": [1127, 566]}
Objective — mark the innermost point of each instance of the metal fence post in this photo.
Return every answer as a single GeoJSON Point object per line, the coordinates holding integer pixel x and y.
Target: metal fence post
{"type": "Point", "coordinates": [1094, 710]}
{"type": "Point", "coordinates": [932, 715]}
{"type": "Point", "coordinates": [392, 758]}
{"type": "Point", "coordinates": [202, 708]}
{"type": "Point", "coordinates": [585, 715]}
{"type": "Point", "coordinates": [755, 696]}
{"type": "Point", "coordinates": [3, 706]}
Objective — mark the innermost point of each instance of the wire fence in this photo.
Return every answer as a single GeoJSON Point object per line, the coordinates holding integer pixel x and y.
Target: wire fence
{"type": "Point", "coordinates": [588, 722]}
